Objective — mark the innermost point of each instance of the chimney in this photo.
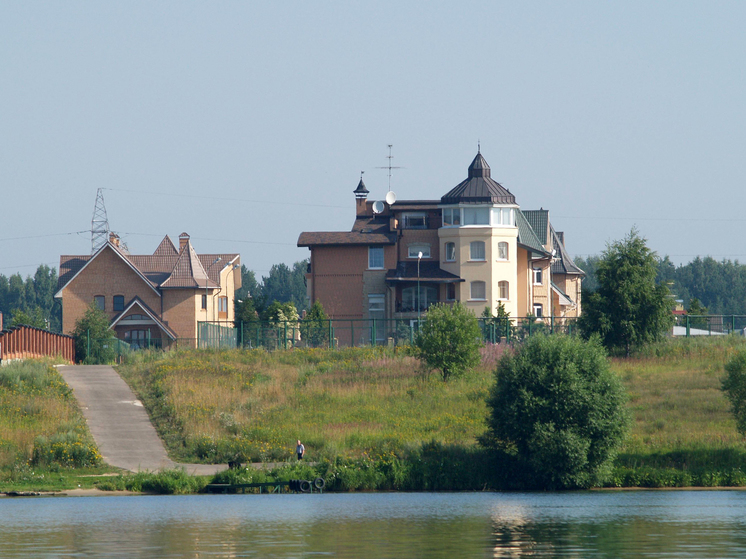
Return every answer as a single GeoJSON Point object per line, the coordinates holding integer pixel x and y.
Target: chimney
{"type": "Point", "coordinates": [114, 239]}
{"type": "Point", "coordinates": [361, 195]}
{"type": "Point", "coordinates": [183, 240]}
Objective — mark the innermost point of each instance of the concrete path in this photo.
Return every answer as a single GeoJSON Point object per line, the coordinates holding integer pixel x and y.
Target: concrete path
{"type": "Point", "coordinates": [118, 422]}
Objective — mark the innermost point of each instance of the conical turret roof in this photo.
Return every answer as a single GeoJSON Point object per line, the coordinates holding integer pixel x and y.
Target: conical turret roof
{"type": "Point", "coordinates": [478, 188]}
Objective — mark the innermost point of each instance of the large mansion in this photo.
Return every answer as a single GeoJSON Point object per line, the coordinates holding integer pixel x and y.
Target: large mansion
{"type": "Point", "coordinates": [474, 245]}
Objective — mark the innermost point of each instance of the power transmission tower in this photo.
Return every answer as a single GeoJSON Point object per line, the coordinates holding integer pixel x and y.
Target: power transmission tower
{"type": "Point", "coordinates": [99, 223]}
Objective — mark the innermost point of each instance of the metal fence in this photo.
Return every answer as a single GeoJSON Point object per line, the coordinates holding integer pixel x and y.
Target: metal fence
{"type": "Point", "coordinates": [337, 333]}
{"type": "Point", "coordinates": [709, 325]}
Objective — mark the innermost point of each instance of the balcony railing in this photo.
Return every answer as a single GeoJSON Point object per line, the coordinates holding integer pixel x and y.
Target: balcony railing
{"type": "Point", "coordinates": [401, 306]}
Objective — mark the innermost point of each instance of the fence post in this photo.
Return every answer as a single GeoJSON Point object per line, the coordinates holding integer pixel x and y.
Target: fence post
{"type": "Point", "coordinates": [551, 329]}
{"type": "Point", "coordinates": [374, 333]}
{"type": "Point", "coordinates": [687, 326]}
{"type": "Point", "coordinates": [88, 336]}
{"type": "Point", "coordinates": [331, 335]}
{"type": "Point", "coordinates": [285, 334]}
{"type": "Point", "coordinates": [242, 333]}
{"type": "Point", "coordinates": [732, 323]}
{"type": "Point", "coordinates": [352, 333]}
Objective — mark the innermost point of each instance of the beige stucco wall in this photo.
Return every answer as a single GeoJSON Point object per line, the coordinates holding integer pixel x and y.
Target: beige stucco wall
{"type": "Point", "coordinates": [491, 271]}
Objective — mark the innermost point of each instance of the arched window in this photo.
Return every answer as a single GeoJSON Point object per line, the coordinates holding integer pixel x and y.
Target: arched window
{"type": "Point", "coordinates": [476, 250]}
{"type": "Point", "coordinates": [504, 290]}
{"type": "Point", "coordinates": [478, 291]}
{"type": "Point", "coordinates": [502, 251]}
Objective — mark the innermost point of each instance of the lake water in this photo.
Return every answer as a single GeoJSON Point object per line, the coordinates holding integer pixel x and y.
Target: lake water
{"type": "Point", "coordinates": [639, 524]}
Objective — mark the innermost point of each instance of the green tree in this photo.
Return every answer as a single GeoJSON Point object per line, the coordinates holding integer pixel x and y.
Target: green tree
{"type": "Point", "coordinates": [557, 408]}
{"type": "Point", "coordinates": [314, 329]}
{"type": "Point", "coordinates": [734, 386]}
{"type": "Point", "coordinates": [282, 320]}
{"type": "Point", "coordinates": [34, 318]}
{"type": "Point", "coordinates": [628, 309]}
{"type": "Point", "coordinates": [93, 338]}
{"type": "Point", "coordinates": [286, 285]}
{"type": "Point", "coordinates": [449, 339]}
{"type": "Point", "coordinates": [696, 313]}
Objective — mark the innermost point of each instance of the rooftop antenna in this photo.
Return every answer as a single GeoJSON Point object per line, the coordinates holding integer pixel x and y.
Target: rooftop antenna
{"type": "Point", "coordinates": [99, 223]}
{"type": "Point", "coordinates": [390, 166]}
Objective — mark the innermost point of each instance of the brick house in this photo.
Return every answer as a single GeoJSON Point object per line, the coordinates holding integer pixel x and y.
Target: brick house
{"type": "Point", "coordinates": [474, 245]}
{"type": "Point", "coordinates": [158, 297]}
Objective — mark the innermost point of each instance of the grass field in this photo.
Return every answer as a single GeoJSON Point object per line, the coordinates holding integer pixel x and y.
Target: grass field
{"type": "Point", "coordinates": [212, 406]}
{"type": "Point", "coordinates": [44, 441]}
{"type": "Point", "coordinates": [215, 406]}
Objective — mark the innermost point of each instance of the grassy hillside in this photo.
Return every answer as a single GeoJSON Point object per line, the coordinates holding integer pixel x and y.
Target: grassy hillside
{"type": "Point", "coordinates": [42, 432]}
{"type": "Point", "coordinates": [374, 402]}
{"type": "Point", "coordinates": [214, 406]}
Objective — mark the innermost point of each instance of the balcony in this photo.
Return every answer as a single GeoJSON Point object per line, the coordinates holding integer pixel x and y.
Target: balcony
{"type": "Point", "coordinates": [412, 307]}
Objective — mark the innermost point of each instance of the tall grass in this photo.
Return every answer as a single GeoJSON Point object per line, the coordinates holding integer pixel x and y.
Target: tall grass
{"type": "Point", "coordinates": [378, 409]}
{"type": "Point", "coordinates": [40, 422]}
{"type": "Point", "coordinates": [218, 405]}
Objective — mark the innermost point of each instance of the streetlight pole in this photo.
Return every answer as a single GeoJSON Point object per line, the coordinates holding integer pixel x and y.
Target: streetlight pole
{"type": "Point", "coordinates": [419, 304]}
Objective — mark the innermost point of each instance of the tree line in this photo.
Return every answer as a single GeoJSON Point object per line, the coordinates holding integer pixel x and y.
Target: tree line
{"type": "Point", "coordinates": [31, 301]}
{"type": "Point", "coordinates": [704, 284]}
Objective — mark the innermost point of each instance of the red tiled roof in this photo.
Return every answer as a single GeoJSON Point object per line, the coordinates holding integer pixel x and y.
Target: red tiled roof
{"type": "Point", "coordinates": [160, 267]}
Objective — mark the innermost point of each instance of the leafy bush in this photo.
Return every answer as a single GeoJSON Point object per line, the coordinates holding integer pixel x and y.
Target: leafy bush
{"type": "Point", "coordinates": [559, 410]}
{"type": "Point", "coordinates": [450, 339]}
{"type": "Point", "coordinates": [71, 449]}
{"type": "Point", "coordinates": [734, 386]}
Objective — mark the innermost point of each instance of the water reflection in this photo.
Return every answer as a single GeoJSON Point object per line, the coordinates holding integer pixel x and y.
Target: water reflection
{"type": "Point", "coordinates": [618, 525]}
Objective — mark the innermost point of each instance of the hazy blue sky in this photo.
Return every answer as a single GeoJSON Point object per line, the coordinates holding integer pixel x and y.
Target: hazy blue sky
{"type": "Point", "coordinates": [246, 123]}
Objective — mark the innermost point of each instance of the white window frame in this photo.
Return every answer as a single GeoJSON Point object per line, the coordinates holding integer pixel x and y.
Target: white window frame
{"type": "Point", "coordinates": [471, 251]}
{"type": "Point", "coordinates": [377, 302]}
{"type": "Point", "coordinates": [451, 217]}
{"type": "Point", "coordinates": [445, 251]}
{"type": "Point", "coordinates": [478, 211]}
{"type": "Point", "coordinates": [538, 274]}
{"type": "Point", "coordinates": [474, 296]}
{"type": "Point", "coordinates": [538, 310]}
{"type": "Point", "coordinates": [414, 250]}
{"type": "Point", "coordinates": [506, 246]}
{"type": "Point", "coordinates": [503, 285]}
{"type": "Point", "coordinates": [373, 253]}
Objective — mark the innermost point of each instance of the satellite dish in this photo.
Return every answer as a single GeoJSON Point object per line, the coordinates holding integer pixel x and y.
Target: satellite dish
{"type": "Point", "coordinates": [378, 207]}
{"type": "Point", "coordinates": [390, 197]}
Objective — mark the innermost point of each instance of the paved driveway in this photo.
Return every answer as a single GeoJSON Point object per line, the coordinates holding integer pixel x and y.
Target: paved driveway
{"type": "Point", "coordinates": [118, 422]}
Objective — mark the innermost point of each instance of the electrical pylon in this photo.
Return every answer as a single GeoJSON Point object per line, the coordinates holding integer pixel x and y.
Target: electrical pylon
{"type": "Point", "coordinates": [99, 223]}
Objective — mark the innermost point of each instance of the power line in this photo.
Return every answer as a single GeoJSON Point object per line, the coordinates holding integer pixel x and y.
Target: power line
{"type": "Point", "coordinates": [44, 236]}
{"type": "Point", "coordinates": [211, 239]}
{"type": "Point", "coordinates": [180, 195]}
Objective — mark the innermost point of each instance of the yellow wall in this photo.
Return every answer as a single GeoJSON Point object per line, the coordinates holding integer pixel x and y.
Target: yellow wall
{"type": "Point", "coordinates": [491, 270]}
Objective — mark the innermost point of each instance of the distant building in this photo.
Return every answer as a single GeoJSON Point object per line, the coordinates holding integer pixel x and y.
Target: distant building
{"type": "Point", "coordinates": [476, 247]}
{"type": "Point", "coordinates": [158, 297]}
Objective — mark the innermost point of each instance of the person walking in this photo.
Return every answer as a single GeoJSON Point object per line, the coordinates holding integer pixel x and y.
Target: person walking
{"type": "Point", "coordinates": [300, 450]}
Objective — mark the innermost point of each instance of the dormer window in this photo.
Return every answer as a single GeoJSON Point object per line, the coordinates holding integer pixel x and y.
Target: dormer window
{"type": "Point", "coordinates": [414, 220]}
